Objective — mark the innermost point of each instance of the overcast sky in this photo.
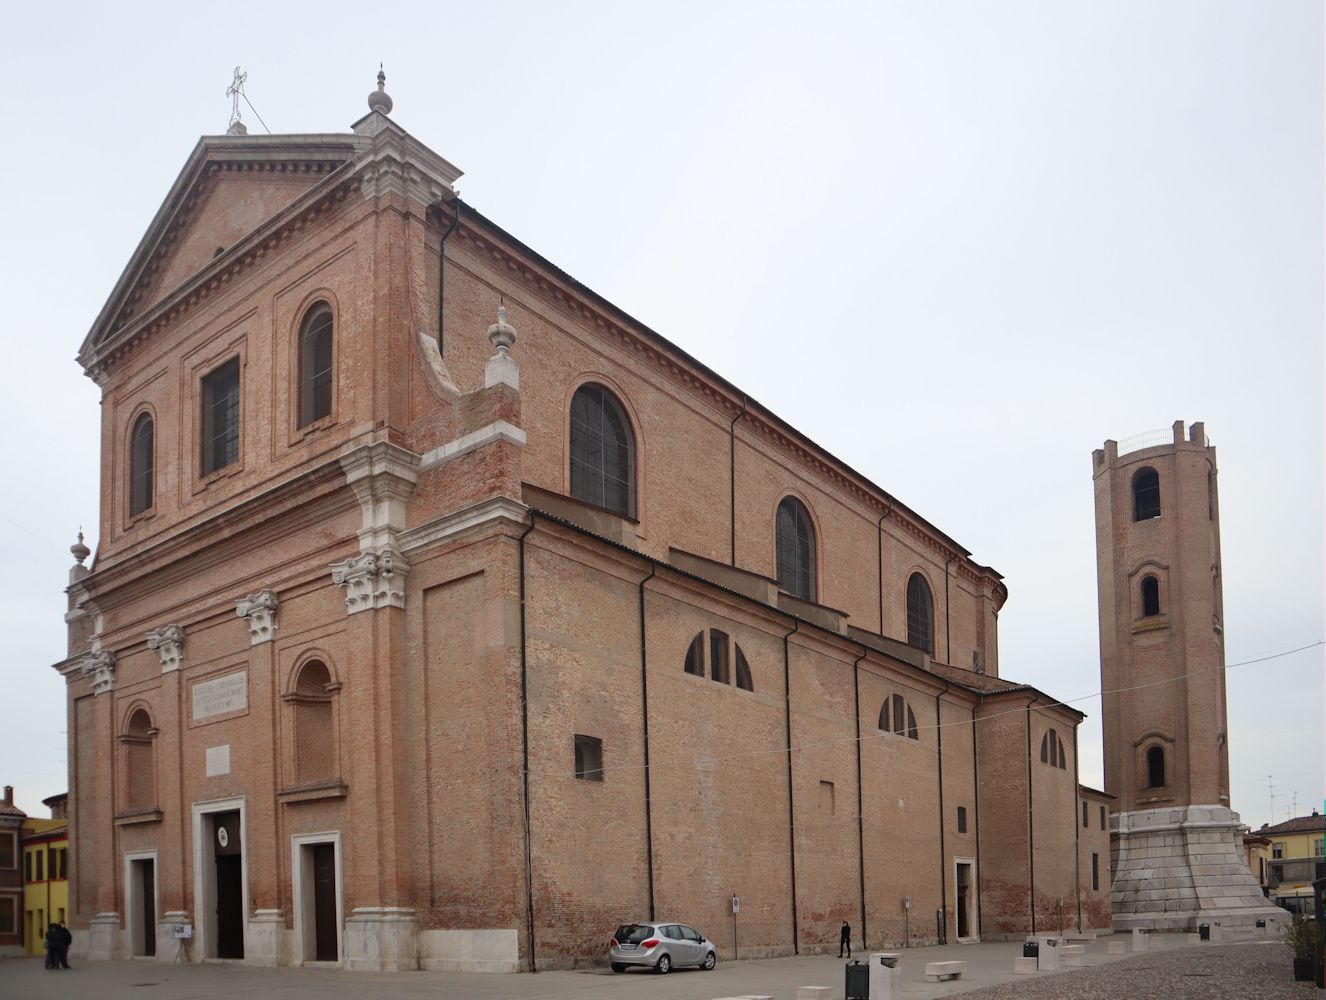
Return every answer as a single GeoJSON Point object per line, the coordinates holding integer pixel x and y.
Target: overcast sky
{"type": "Point", "coordinates": [959, 244]}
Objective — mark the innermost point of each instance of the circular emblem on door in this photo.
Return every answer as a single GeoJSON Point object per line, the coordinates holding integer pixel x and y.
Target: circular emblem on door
{"type": "Point", "coordinates": [222, 837]}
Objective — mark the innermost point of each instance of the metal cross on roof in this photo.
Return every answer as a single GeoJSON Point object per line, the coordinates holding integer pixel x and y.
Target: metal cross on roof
{"type": "Point", "coordinates": [235, 91]}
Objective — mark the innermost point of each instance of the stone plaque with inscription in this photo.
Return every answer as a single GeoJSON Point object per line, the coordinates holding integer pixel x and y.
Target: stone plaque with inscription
{"type": "Point", "coordinates": [221, 696]}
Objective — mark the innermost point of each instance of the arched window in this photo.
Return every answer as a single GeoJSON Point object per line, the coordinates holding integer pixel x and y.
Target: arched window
{"type": "Point", "coordinates": [1052, 750]}
{"type": "Point", "coordinates": [695, 656]}
{"type": "Point", "coordinates": [896, 716]}
{"type": "Point", "coordinates": [796, 549]}
{"type": "Point", "coordinates": [140, 779]}
{"type": "Point", "coordinates": [718, 658]}
{"type": "Point", "coordinates": [920, 614]}
{"type": "Point", "coordinates": [1146, 494]}
{"type": "Point", "coordinates": [315, 364]}
{"type": "Point", "coordinates": [602, 451]}
{"type": "Point", "coordinates": [1150, 596]}
{"type": "Point", "coordinates": [142, 459]}
{"type": "Point", "coordinates": [723, 652]}
{"type": "Point", "coordinates": [1155, 767]}
{"type": "Point", "coordinates": [744, 679]}
{"type": "Point", "coordinates": [315, 742]}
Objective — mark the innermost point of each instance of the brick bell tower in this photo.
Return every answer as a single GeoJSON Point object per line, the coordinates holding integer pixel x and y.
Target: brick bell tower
{"type": "Point", "coordinates": [1173, 839]}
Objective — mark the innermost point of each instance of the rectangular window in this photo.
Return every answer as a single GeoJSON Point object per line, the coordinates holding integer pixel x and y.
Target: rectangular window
{"type": "Point", "coordinates": [1102, 817]}
{"type": "Point", "coordinates": [826, 797]}
{"type": "Point", "coordinates": [64, 864]}
{"type": "Point", "coordinates": [1277, 851]}
{"type": "Point", "coordinates": [8, 849]}
{"type": "Point", "coordinates": [962, 819]}
{"type": "Point", "coordinates": [1319, 847]}
{"type": "Point", "coordinates": [41, 864]}
{"type": "Point", "coordinates": [8, 914]}
{"type": "Point", "coordinates": [1095, 872]}
{"type": "Point", "coordinates": [220, 417]}
{"type": "Point", "coordinates": [589, 758]}
{"type": "Point", "coordinates": [1086, 821]}
{"type": "Point", "coordinates": [27, 866]}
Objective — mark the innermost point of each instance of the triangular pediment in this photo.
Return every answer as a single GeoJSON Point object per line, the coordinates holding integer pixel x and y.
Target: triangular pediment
{"type": "Point", "coordinates": [231, 187]}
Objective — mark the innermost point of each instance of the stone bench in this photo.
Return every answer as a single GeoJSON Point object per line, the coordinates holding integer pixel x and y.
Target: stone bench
{"type": "Point", "coordinates": [1117, 948]}
{"type": "Point", "coordinates": [1024, 966]}
{"type": "Point", "coordinates": [938, 972]}
{"type": "Point", "coordinates": [814, 993]}
{"type": "Point", "coordinates": [1072, 954]}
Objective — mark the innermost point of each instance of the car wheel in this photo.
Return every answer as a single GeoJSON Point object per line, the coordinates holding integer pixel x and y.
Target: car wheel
{"type": "Point", "coordinates": [709, 960]}
{"type": "Point", "coordinates": [618, 967]}
{"type": "Point", "coordinates": [664, 965]}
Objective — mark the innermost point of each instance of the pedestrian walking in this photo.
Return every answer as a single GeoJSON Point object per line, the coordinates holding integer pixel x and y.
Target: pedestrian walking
{"type": "Point", "coordinates": [52, 942]}
{"type": "Point", "coordinates": [845, 940]}
{"type": "Point", "coordinates": [64, 940]}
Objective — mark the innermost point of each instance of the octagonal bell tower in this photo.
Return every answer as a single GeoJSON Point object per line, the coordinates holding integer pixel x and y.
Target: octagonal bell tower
{"type": "Point", "coordinates": [1174, 839]}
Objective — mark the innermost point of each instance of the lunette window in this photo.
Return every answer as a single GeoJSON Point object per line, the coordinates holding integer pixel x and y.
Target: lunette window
{"type": "Point", "coordinates": [141, 462]}
{"type": "Point", "coordinates": [796, 549]}
{"type": "Point", "coordinates": [315, 365]}
{"type": "Point", "coordinates": [723, 653]}
{"type": "Point", "coordinates": [220, 417]}
{"type": "Point", "coordinates": [602, 451]}
{"type": "Point", "coordinates": [1052, 750]}
{"type": "Point", "coordinates": [896, 716]}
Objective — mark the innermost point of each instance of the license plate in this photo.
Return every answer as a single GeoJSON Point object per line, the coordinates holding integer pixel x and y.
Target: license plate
{"type": "Point", "coordinates": [626, 947]}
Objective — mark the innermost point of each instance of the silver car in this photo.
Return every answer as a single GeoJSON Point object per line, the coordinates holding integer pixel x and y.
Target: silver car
{"type": "Point", "coordinates": [660, 946]}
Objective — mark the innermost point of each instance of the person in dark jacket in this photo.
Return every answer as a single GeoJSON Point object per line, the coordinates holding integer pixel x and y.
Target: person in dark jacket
{"type": "Point", "coordinates": [63, 940]}
{"type": "Point", "coordinates": [845, 940]}
{"type": "Point", "coordinates": [52, 946]}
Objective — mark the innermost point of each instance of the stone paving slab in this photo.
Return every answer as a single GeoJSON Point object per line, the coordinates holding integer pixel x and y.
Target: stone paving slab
{"type": "Point", "coordinates": [1178, 971]}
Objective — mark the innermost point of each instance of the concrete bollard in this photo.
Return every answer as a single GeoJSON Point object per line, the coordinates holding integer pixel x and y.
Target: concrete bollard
{"type": "Point", "coordinates": [885, 976]}
{"type": "Point", "coordinates": [1141, 939]}
{"type": "Point", "coordinates": [814, 993]}
{"type": "Point", "coordinates": [1024, 966]}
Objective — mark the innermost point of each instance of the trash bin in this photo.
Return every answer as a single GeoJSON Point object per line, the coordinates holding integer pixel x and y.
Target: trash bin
{"type": "Point", "coordinates": [1203, 932]}
{"type": "Point", "coordinates": [1261, 924]}
{"type": "Point", "coordinates": [857, 985]}
{"type": "Point", "coordinates": [1031, 949]}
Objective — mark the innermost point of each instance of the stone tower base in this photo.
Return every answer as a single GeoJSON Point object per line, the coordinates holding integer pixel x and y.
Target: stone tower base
{"type": "Point", "coordinates": [1177, 868]}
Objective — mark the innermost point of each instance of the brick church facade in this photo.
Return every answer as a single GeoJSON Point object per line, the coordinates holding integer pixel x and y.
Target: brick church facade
{"type": "Point", "coordinates": [444, 616]}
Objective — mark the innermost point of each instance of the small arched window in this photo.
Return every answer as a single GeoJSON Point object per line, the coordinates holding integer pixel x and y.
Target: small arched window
{"type": "Point", "coordinates": [723, 653]}
{"type": "Point", "coordinates": [139, 742]}
{"type": "Point", "coordinates": [695, 656]}
{"type": "Point", "coordinates": [920, 614]}
{"type": "Point", "coordinates": [1052, 750]}
{"type": "Point", "coordinates": [1150, 596]}
{"type": "Point", "coordinates": [1146, 494]}
{"type": "Point", "coordinates": [315, 364]}
{"type": "Point", "coordinates": [315, 742]}
{"type": "Point", "coordinates": [602, 451]}
{"type": "Point", "coordinates": [796, 549]}
{"type": "Point", "coordinates": [744, 679]}
{"type": "Point", "coordinates": [896, 716]}
{"type": "Point", "coordinates": [142, 461]}
{"type": "Point", "coordinates": [1155, 767]}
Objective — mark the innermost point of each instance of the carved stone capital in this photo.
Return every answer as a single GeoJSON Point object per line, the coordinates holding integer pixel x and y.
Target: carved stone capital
{"type": "Point", "coordinates": [168, 642]}
{"type": "Point", "coordinates": [99, 665]}
{"type": "Point", "coordinates": [372, 580]}
{"type": "Point", "coordinates": [259, 610]}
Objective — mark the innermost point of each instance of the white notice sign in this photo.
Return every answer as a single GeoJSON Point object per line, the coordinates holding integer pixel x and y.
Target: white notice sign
{"type": "Point", "coordinates": [221, 696]}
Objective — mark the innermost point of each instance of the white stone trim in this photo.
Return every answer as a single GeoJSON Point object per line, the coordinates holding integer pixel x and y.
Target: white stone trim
{"type": "Point", "coordinates": [259, 611]}
{"type": "Point", "coordinates": [133, 906]}
{"type": "Point", "coordinates": [430, 533]}
{"type": "Point", "coordinates": [98, 665]}
{"type": "Point", "coordinates": [974, 903]}
{"type": "Point", "coordinates": [382, 476]}
{"type": "Point", "coordinates": [302, 897]}
{"type": "Point", "coordinates": [372, 580]}
{"type": "Point", "coordinates": [204, 874]}
{"type": "Point", "coordinates": [498, 430]}
{"type": "Point", "coordinates": [168, 641]}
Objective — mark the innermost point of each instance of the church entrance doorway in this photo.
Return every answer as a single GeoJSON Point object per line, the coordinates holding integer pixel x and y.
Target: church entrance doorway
{"type": "Point", "coordinates": [229, 885]}
{"type": "Point", "coordinates": [964, 905]}
{"type": "Point", "coordinates": [317, 894]}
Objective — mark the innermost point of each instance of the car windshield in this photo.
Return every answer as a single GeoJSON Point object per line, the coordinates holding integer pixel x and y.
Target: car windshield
{"type": "Point", "coordinates": [633, 933]}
